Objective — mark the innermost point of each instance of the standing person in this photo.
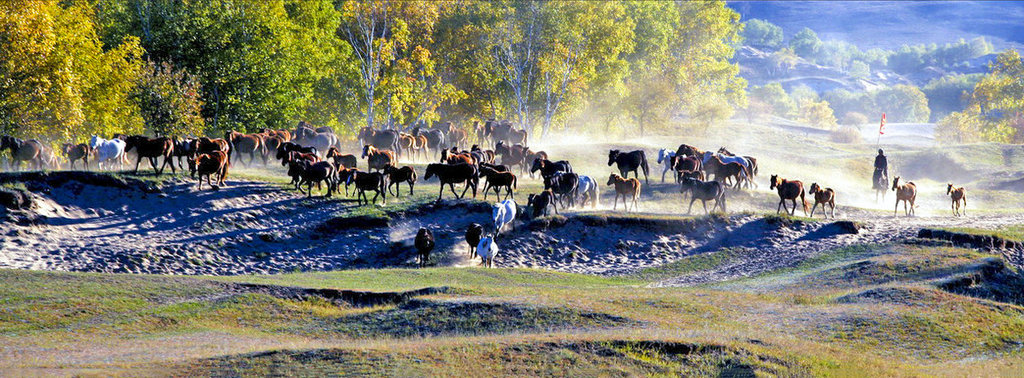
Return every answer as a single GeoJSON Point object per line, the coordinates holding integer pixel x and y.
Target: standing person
{"type": "Point", "coordinates": [880, 180]}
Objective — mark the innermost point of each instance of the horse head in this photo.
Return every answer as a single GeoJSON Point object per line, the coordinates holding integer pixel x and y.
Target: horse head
{"type": "Point", "coordinates": [366, 151]}
{"type": "Point", "coordinates": [814, 188]}
{"type": "Point", "coordinates": [612, 154]}
{"type": "Point", "coordinates": [949, 188]}
{"type": "Point", "coordinates": [775, 182]}
{"type": "Point", "coordinates": [895, 183]}
{"type": "Point", "coordinates": [613, 178]}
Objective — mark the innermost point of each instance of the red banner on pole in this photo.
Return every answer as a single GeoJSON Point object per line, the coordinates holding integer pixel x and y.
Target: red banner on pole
{"type": "Point", "coordinates": [882, 125]}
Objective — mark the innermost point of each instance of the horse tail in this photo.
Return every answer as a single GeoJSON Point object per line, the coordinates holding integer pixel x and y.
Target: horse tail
{"type": "Point", "coordinates": [806, 205]}
{"type": "Point", "coordinates": [514, 181]}
{"type": "Point", "coordinates": [643, 163]}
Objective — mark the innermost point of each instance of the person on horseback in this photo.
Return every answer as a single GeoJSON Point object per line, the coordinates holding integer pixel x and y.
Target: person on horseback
{"type": "Point", "coordinates": [880, 180]}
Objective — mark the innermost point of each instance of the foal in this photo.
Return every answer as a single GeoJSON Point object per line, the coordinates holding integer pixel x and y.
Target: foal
{"type": "Point", "coordinates": [957, 195]}
{"type": "Point", "coordinates": [824, 197]}
{"type": "Point", "coordinates": [906, 193]}
{"type": "Point", "coordinates": [627, 188]}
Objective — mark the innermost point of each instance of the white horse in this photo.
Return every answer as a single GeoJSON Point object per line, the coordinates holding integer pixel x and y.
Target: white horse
{"type": "Point", "coordinates": [588, 187]}
{"type": "Point", "coordinates": [112, 150]}
{"type": "Point", "coordinates": [666, 157]}
{"type": "Point", "coordinates": [504, 213]}
{"type": "Point", "coordinates": [487, 249]}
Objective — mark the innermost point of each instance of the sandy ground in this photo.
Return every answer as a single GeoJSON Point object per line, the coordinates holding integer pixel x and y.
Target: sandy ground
{"type": "Point", "coordinates": [255, 227]}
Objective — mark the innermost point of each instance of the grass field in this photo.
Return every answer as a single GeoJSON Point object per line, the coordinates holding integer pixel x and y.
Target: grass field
{"type": "Point", "coordinates": [873, 307]}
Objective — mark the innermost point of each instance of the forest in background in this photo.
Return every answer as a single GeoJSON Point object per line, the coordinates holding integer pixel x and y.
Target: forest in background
{"type": "Point", "coordinates": [70, 69]}
{"type": "Point", "coordinates": [75, 68]}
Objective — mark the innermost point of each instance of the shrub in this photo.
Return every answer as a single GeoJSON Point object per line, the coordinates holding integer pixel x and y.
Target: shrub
{"type": "Point", "coordinates": [847, 135]}
{"type": "Point", "coordinates": [853, 119]}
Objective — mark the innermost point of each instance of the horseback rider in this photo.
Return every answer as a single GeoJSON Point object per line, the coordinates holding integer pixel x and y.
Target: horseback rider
{"type": "Point", "coordinates": [880, 180]}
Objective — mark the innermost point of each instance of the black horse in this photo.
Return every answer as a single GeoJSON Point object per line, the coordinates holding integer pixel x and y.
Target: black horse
{"type": "Point", "coordinates": [563, 184]}
{"type": "Point", "coordinates": [548, 167]}
{"type": "Point", "coordinates": [704, 191]}
{"type": "Point", "coordinates": [630, 162]}
{"type": "Point", "coordinates": [454, 174]}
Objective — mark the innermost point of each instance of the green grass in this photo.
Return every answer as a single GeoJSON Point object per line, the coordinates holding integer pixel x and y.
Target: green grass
{"type": "Point", "coordinates": [1010, 232]}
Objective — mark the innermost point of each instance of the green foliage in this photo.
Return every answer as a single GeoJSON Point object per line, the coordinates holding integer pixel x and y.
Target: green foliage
{"type": "Point", "coordinates": [776, 98]}
{"type": "Point", "coordinates": [902, 103]}
{"type": "Point", "coordinates": [816, 113]}
{"type": "Point", "coordinates": [169, 101]}
{"type": "Point", "coordinates": [762, 34]}
{"type": "Point", "coordinates": [57, 79]}
{"type": "Point", "coordinates": [805, 44]}
{"type": "Point", "coordinates": [75, 68]}
{"type": "Point", "coordinates": [909, 59]}
{"type": "Point", "coordinates": [949, 93]}
{"type": "Point", "coordinates": [996, 110]}
{"type": "Point", "coordinates": [257, 61]}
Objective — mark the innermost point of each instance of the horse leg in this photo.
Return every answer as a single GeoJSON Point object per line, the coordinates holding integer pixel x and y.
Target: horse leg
{"type": "Point", "coordinates": [440, 192]}
{"type": "Point", "coordinates": [781, 204]}
{"type": "Point", "coordinates": [137, 161]}
{"type": "Point", "coordinates": [815, 208]}
{"type": "Point", "coordinates": [705, 204]}
{"type": "Point", "coordinates": [897, 208]}
{"type": "Point", "coordinates": [793, 213]}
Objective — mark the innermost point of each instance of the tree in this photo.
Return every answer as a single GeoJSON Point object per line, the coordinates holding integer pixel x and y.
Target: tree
{"type": "Point", "coordinates": [258, 61]}
{"type": "Point", "coordinates": [582, 48]}
{"type": "Point", "coordinates": [762, 34]}
{"type": "Point", "coordinates": [949, 93]}
{"type": "Point", "coordinates": [816, 113]}
{"type": "Point", "coordinates": [775, 97]}
{"type": "Point", "coordinates": [805, 44]}
{"type": "Point", "coordinates": [169, 100]}
{"type": "Point", "coordinates": [902, 103]}
{"type": "Point", "coordinates": [57, 79]}
{"type": "Point", "coordinates": [859, 70]}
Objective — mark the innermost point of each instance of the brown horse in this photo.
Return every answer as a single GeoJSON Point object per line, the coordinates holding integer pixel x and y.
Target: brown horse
{"type": "Point", "coordinates": [152, 149]}
{"type": "Point", "coordinates": [824, 197]}
{"type": "Point", "coordinates": [397, 176]}
{"type": "Point", "coordinates": [341, 160]}
{"type": "Point", "coordinates": [906, 193]}
{"type": "Point", "coordinates": [957, 195]}
{"type": "Point", "coordinates": [213, 163]}
{"type": "Point", "coordinates": [270, 145]}
{"type": "Point", "coordinates": [498, 180]}
{"type": "Point", "coordinates": [251, 144]}
{"type": "Point", "coordinates": [407, 143]}
{"type": "Point", "coordinates": [77, 152]}
{"type": "Point", "coordinates": [424, 243]}
{"type": "Point", "coordinates": [377, 159]}
{"type": "Point", "coordinates": [724, 171]}
{"type": "Point", "coordinates": [511, 155]}
{"type": "Point", "coordinates": [456, 135]}
{"type": "Point", "coordinates": [626, 188]}
{"type": "Point", "coordinates": [29, 150]}
{"type": "Point", "coordinates": [688, 150]}
{"type": "Point", "coordinates": [789, 190]}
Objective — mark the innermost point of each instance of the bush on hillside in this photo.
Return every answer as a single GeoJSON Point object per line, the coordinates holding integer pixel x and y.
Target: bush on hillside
{"type": "Point", "coordinates": [853, 119]}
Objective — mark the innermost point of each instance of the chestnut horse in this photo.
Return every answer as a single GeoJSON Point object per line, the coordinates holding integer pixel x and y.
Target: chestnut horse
{"type": "Point", "coordinates": [824, 197]}
{"type": "Point", "coordinates": [377, 159]}
{"type": "Point", "coordinates": [75, 152]}
{"type": "Point", "coordinates": [957, 195]}
{"type": "Point", "coordinates": [906, 193]}
{"type": "Point", "coordinates": [213, 163]}
{"type": "Point", "coordinates": [627, 189]}
{"type": "Point", "coordinates": [789, 190]}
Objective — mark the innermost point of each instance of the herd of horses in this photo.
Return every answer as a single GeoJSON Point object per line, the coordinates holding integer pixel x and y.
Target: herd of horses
{"type": "Point", "coordinates": [313, 157]}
